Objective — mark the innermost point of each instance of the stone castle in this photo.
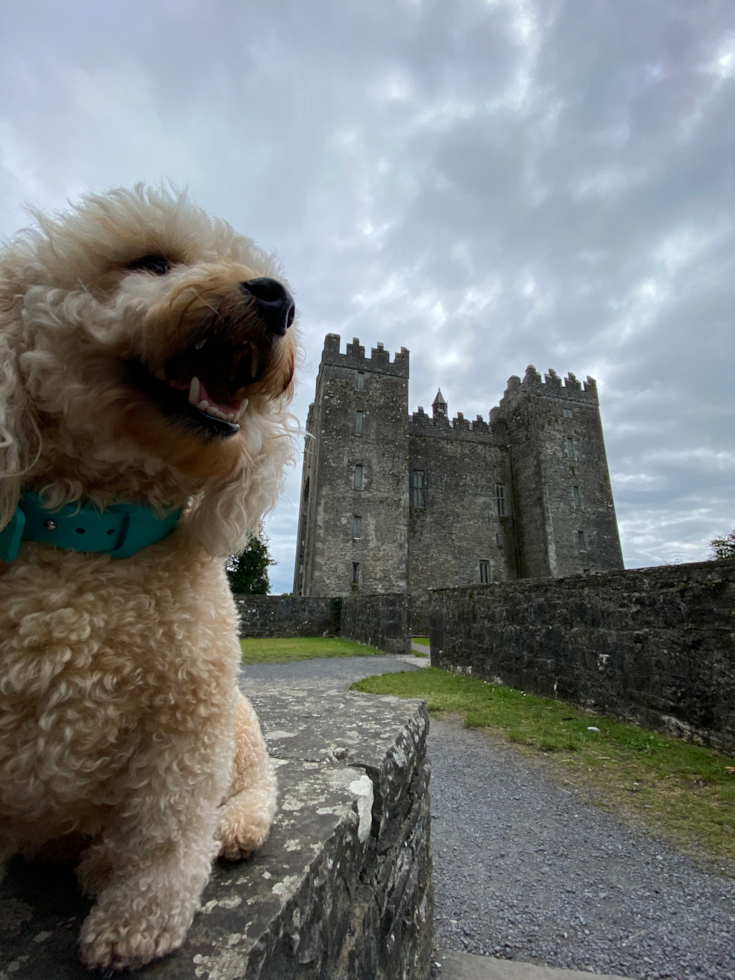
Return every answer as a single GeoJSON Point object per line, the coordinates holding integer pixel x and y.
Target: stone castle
{"type": "Point", "coordinates": [392, 502]}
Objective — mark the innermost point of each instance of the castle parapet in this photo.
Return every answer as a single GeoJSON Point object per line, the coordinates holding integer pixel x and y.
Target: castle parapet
{"type": "Point", "coordinates": [439, 426]}
{"type": "Point", "coordinates": [550, 386]}
{"type": "Point", "coordinates": [379, 360]}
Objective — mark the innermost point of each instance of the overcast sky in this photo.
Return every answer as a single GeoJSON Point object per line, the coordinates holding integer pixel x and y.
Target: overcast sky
{"type": "Point", "coordinates": [490, 183]}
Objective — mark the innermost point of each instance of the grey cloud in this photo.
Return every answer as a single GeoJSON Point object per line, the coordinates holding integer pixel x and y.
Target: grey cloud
{"type": "Point", "coordinates": [488, 184]}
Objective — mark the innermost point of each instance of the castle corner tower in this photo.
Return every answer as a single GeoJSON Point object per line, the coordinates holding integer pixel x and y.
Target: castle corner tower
{"type": "Point", "coordinates": [353, 521]}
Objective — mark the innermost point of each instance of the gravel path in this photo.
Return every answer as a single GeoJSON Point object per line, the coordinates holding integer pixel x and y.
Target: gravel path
{"type": "Point", "coordinates": [525, 870]}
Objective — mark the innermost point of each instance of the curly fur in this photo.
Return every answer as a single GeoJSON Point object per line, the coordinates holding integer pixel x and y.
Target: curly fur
{"type": "Point", "coordinates": [121, 725]}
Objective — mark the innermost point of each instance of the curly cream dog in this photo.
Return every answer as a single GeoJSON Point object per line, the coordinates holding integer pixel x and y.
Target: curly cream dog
{"type": "Point", "coordinates": [146, 358]}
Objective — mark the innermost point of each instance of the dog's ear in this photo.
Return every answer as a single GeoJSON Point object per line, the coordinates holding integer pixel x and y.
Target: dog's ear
{"type": "Point", "coordinates": [224, 520]}
{"type": "Point", "coordinates": [19, 436]}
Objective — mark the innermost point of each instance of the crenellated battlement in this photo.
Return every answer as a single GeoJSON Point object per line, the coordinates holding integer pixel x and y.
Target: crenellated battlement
{"type": "Point", "coordinates": [550, 386]}
{"type": "Point", "coordinates": [378, 362]}
{"type": "Point", "coordinates": [440, 426]}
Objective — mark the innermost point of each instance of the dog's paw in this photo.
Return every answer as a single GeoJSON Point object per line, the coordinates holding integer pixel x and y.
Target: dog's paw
{"type": "Point", "coordinates": [116, 941]}
{"type": "Point", "coordinates": [237, 839]}
{"type": "Point", "coordinates": [242, 829]}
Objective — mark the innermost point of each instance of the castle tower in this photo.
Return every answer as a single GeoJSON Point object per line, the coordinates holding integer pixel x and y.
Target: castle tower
{"type": "Point", "coordinates": [562, 497]}
{"type": "Point", "coordinates": [353, 518]}
{"type": "Point", "coordinates": [439, 405]}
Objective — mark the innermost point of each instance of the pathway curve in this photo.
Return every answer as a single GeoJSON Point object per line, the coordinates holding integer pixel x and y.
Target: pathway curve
{"type": "Point", "coordinates": [524, 870]}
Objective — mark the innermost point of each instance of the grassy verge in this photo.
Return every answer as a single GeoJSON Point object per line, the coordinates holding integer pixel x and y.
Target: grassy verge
{"type": "Point", "coordinates": [673, 786]}
{"type": "Point", "coordinates": [278, 651]}
{"type": "Point", "coordinates": [422, 641]}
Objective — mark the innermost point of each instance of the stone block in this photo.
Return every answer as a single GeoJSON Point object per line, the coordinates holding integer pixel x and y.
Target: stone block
{"type": "Point", "coordinates": [342, 889]}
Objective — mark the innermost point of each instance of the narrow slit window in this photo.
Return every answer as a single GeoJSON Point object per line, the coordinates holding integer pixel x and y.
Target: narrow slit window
{"type": "Point", "coordinates": [498, 539]}
{"type": "Point", "coordinates": [484, 573]}
{"type": "Point", "coordinates": [581, 541]}
{"type": "Point", "coordinates": [360, 380]}
{"type": "Point", "coordinates": [356, 527]}
{"type": "Point", "coordinates": [568, 413]}
{"type": "Point", "coordinates": [358, 423]}
{"type": "Point", "coordinates": [576, 499]}
{"type": "Point", "coordinates": [418, 488]}
{"type": "Point", "coordinates": [501, 499]}
{"type": "Point", "coordinates": [356, 573]}
{"type": "Point", "coordinates": [570, 447]}
{"type": "Point", "coordinates": [358, 476]}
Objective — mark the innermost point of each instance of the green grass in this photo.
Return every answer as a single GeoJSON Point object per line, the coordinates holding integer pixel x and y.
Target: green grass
{"type": "Point", "coordinates": [421, 656]}
{"type": "Point", "coordinates": [422, 641]}
{"type": "Point", "coordinates": [674, 786]}
{"type": "Point", "coordinates": [278, 651]}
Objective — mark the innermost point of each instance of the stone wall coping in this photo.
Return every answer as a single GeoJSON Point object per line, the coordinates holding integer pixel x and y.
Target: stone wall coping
{"type": "Point", "coordinates": [341, 888]}
{"type": "Point", "coordinates": [592, 580]}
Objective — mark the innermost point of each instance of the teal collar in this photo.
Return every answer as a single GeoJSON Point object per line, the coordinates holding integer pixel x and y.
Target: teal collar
{"type": "Point", "coordinates": [119, 531]}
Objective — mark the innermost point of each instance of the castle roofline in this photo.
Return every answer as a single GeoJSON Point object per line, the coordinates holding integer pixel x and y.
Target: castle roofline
{"type": "Point", "coordinates": [379, 360]}
{"type": "Point", "coordinates": [550, 386]}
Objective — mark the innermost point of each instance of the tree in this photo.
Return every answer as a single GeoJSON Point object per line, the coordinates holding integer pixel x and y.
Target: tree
{"type": "Point", "coordinates": [248, 571]}
{"type": "Point", "coordinates": [723, 547]}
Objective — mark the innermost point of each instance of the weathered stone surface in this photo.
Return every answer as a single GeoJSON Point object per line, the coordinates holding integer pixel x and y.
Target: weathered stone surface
{"type": "Point", "coordinates": [341, 890]}
{"type": "Point", "coordinates": [654, 645]}
{"type": "Point", "coordinates": [381, 621]}
{"type": "Point", "coordinates": [287, 615]}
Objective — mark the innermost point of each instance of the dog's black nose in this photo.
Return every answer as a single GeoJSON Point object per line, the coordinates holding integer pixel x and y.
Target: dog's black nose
{"type": "Point", "coordinates": [275, 303]}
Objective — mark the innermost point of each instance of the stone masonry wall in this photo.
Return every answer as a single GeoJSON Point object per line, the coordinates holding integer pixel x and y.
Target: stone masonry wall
{"type": "Point", "coordinates": [287, 615]}
{"type": "Point", "coordinates": [653, 645]}
{"type": "Point", "coordinates": [342, 889]}
{"type": "Point", "coordinates": [457, 524]}
{"type": "Point", "coordinates": [382, 621]}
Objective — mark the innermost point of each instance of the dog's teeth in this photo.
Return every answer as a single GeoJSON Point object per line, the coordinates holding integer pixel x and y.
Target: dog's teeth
{"type": "Point", "coordinates": [242, 408]}
{"type": "Point", "coordinates": [203, 406]}
{"type": "Point", "coordinates": [160, 374]}
{"type": "Point", "coordinates": [199, 344]}
{"type": "Point", "coordinates": [194, 391]}
{"type": "Point", "coordinates": [254, 361]}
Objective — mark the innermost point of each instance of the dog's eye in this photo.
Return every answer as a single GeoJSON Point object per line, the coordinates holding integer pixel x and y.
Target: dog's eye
{"type": "Point", "coordinates": [156, 264]}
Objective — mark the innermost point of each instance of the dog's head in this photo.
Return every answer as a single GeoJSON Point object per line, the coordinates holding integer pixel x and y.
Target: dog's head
{"type": "Point", "coordinates": [146, 355]}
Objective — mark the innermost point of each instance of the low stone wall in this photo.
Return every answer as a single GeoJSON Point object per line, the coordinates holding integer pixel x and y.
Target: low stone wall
{"type": "Point", "coordinates": [654, 645]}
{"type": "Point", "coordinates": [341, 890]}
{"type": "Point", "coordinates": [420, 612]}
{"type": "Point", "coordinates": [382, 621]}
{"type": "Point", "coordinates": [288, 615]}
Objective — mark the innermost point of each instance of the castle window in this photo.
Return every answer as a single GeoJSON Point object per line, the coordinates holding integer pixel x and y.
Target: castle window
{"type": "Point", "coordinates": [356, 527]}
{"type": "Point", "coordinates": [356, 573]}
{"type": "Point", "coordinates": [358, 476]}
{"type": "Point", "coordinates": [358, 423]}
{"type": "Point", "coordinates": [576, 499]}
{"type": "Point", "coordinates": [360, 380]}
{"type": "Point", "coordinates": [568, 413]}
{"type": "Point", "coordinates": [484, 573]}
{"type": "Point", "coordinates": [501, 500]}
{"type": "Point", "coordinates": [498, 539]}
{"type": "Point", "coordinates": [581, 541]}
{"type": "Point", "coordinates": [419, 491]}
{"type": "Point", "coordinates": [570, 450]}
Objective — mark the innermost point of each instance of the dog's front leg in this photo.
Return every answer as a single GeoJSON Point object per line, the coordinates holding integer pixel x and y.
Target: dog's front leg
{"type": "Point", "coordinates": [247, 813]}
{"type": "Point", "coordinates": [152, 863]}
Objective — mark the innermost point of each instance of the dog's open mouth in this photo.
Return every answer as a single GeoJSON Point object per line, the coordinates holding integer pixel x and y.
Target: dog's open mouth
{"type": "Point", "coordinates": [205, 385]}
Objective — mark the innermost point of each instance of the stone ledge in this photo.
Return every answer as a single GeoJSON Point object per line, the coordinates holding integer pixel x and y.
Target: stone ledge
{"type": "Point", "coordinates": [342, 889]}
